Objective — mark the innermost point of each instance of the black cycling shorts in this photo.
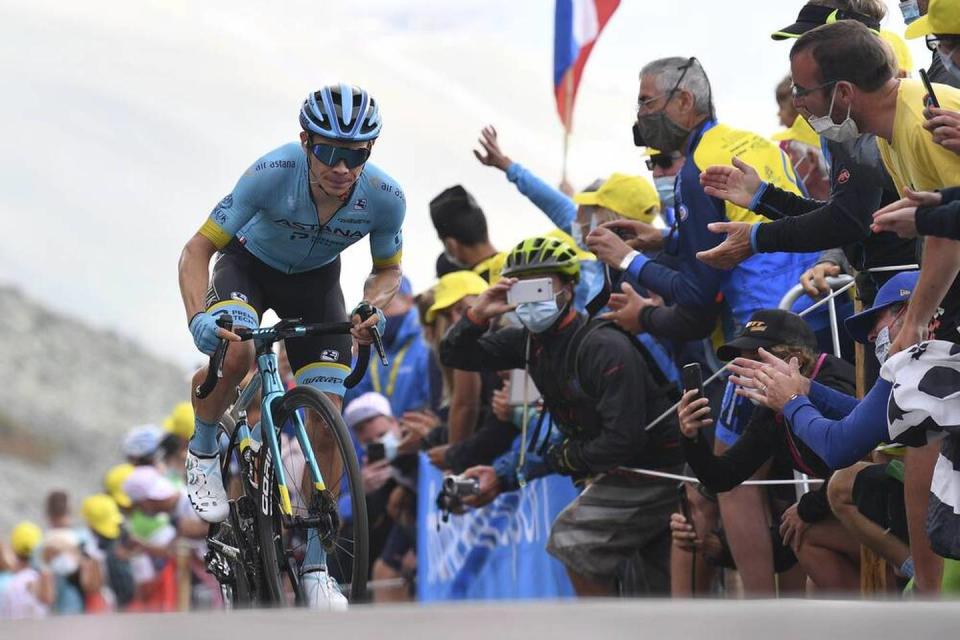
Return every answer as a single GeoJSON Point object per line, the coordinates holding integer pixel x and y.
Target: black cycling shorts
{"type": "Point", "coordinates": [245, 287]}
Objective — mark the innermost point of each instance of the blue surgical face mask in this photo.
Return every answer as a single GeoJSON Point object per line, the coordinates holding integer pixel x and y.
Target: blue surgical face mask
{"type": "Point", "coordinates": [665, 189]}
{"type": "Point", "coordinates": [881, 346]}
{"type": "Point", "coordinates": [576, 232]}
{"type": "Point", "coordinates": [391, 443]}
{"type": "Point", "coordinates": [539, 316]}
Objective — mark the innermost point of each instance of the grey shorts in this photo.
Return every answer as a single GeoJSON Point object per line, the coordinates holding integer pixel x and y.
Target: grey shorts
{"type": "Point", "coordinates": [618, 521]}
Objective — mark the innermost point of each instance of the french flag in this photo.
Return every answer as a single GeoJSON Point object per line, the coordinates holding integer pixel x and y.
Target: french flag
{"type": "Point", "coordinates": [578, 24]}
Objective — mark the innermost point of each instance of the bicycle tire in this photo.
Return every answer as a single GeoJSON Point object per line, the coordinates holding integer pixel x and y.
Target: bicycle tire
{"type": "Point", "coordinates": [276, 555]}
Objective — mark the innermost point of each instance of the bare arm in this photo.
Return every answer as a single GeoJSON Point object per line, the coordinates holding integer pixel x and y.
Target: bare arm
{"type": "Point", "coordinates": [194, 268]}
{"type": "Point", "coordinates": [381, 285]}
{"type": "Point", "coordinates": [46, 588]}
{"type": "Point", "coordinates": [941, 264]}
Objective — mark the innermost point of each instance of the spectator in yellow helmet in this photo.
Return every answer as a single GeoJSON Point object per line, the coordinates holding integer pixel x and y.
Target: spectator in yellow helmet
{"type": "Point", "coordinates": [30, 592]}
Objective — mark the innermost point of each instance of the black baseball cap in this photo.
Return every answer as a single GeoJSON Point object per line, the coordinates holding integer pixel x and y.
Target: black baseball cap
{"type": "Point", "coordinates": [768, 328]}
{"type": "Point", "coordinates": [812, 16]}
{"type": "Point", "coordinates": [451, 204]}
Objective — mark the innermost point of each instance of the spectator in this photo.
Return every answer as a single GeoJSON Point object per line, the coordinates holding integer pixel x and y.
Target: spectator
{"type": "Point", "coordinates": [113, 484]}
{"type": "Point", "coordinates": [403, 381]}
{"type": "Point", "coordinates": [77, 575]}
{"type": "Point", "coordinates": [141, 444]}
{"type": "Point", "coordinates": [806, 527]}
{"type": "Point", "coordinates": [30, 592]}
{"type": "Point", "coordinates": [853, 428]}
{"type": "Point", "coordinates": [392, 535]}
{"type": "Point", "coordinates": [802, 145]}
{"type": "Point", "coordinates": [600, 397]}
{"type": "Point", "coordinates": [181, 421]}
{"type": "Point", "coordinates": [859, 185]}
{"type": "Point", "coordinates": [104, 520]}
{"type": "Point", "coordinates": [937, 71]}
{"type": "Point", "coordinates": [462, 228]}
{"type": "Point", "coordinates": [153, 494]}
{"type": "Point", "coordinates": [58, 510]}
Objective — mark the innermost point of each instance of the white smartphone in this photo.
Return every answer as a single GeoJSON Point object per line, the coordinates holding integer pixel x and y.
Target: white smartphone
{"type": "Point", "coordinates": [535, 290]}
{"type": "Point", "coordinates": [517, 397]}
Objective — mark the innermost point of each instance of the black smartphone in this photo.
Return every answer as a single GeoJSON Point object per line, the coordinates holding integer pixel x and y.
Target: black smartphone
{"type": "Point", "coordinates": [376, 452]}
{"type": "Point", "coordinates": [931, 96]}
{"type": "Point", "coordinates": [693, 378]}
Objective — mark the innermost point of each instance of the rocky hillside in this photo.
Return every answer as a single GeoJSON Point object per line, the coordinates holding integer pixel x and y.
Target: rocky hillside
{"type": "Point", "coordinates": [68, 393]}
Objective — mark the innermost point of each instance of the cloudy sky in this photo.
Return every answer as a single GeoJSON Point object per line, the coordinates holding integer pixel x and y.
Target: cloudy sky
{"type": "Point", "coordinates": [123, 123]}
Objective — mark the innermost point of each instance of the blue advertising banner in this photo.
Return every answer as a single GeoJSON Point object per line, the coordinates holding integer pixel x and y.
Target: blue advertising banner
{"type": "Point", "coordinates": [497, 552]}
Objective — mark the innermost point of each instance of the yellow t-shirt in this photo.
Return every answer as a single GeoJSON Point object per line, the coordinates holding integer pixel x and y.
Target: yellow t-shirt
{"type": "Point", "coordinates": [912, 158]}
{"type": "Point", "coordinates": [489, 269]}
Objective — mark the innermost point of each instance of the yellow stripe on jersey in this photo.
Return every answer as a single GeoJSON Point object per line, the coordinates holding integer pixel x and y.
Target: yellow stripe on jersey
{"type": "Point", "coordinates": [321, 365]}
{"type": "Point", "coordinates": [392, 261]}
{"type": "Point", "coordinates": [233, 303]}
{"type": "Point", "coordinates": [215, 234]}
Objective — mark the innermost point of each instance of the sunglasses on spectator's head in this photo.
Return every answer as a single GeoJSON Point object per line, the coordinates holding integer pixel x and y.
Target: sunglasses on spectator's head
{"type": "Point", "coordinates": [331, 155]}
{"type": "Point", "coordinates": [662, 160]}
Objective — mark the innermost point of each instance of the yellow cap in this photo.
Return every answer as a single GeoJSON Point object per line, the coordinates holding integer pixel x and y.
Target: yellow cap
{"type": "Point", "coordinates": [900, 50]}
{"type": "Point", "coordinates": [25, 538]}
{"type": "Point", "coordinates": [943, 18]}
{"type": "Point", "coordinates": [801, 131]}
{"type": "Point", "coordinates": [102, 515]}
{"type": "Point", "coordinates": [563, 236]}
{"type": "Point", "coordinates": [113, 483]}
{"type": "Point", "coordinates": [454, 287]}
{"type": "Point", "coordinates": [180, 422]}
{"type": "Point", "coordinates": [629, 196]}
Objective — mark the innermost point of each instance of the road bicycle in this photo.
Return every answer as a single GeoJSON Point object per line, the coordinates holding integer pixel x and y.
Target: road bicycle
{"type": "Point", "coordinates": [255, 554]}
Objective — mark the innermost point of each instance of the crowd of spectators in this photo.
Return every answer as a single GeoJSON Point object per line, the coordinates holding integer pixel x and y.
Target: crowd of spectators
{"type": "Point", "coordinates": [648, 275]}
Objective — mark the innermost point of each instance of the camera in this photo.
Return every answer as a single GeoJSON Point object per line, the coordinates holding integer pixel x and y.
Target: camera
{"type": "Point", "coordinates": [461, 487]}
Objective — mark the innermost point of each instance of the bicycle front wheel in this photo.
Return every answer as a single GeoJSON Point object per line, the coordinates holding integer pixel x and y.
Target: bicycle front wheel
{"type": "Point", "coordinates": [338, 516]}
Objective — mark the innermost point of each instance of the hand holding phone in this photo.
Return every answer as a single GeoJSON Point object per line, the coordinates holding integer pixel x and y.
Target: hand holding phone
{"type": "Point", "coordinates": [931, 99]}
{"type": "Point", "coordinates": [693, 378]}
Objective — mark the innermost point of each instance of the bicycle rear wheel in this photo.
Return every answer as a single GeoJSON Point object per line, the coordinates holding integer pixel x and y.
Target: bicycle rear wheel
{"type": "Point", "coordinates": [345, 534]}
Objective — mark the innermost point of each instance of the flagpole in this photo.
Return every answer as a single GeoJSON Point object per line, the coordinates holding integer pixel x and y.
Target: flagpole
{"type": "Point", "coordinates": [568, 124]}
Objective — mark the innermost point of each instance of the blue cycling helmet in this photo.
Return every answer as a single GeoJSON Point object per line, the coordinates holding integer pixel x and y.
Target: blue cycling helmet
{"type": "Point", "coordinates": [341, 112]}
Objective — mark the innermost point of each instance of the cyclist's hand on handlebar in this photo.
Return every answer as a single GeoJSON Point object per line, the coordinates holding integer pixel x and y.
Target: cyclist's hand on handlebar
{"type": "Point", "coordinates": [361, 328]}
{"type": "Point", "coordinates": [206, 333]}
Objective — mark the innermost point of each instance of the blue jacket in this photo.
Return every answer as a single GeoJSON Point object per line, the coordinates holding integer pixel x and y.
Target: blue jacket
{"type": "Point", "coordinates": [410, 389]}
{"type": "Point", "coordinates": [757, 283]}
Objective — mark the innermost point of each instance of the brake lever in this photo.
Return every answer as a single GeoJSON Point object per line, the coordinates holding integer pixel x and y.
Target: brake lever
{"type": "Point", "coordinates": [378, 345]}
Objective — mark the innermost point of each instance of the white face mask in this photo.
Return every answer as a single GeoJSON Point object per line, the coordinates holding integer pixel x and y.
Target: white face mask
{"type": "Point", "coordinates": [881, 346]}
{"type": "Point", "coordinates": [826, 127]}
{"type": "Point", "coordinates": [391, 443]}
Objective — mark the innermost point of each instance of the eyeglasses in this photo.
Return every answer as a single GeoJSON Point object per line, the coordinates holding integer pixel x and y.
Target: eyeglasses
{"type": "Point", "coordinates": [799, 92]}
{"type": "Point", "coordinates": [935, 42]}
{"type": "Point", "coordinates": [331, 155]}
{"type": "Point", "coordinates": [644, 103]}
{"type": "Point", "coordinates": [662, 160]}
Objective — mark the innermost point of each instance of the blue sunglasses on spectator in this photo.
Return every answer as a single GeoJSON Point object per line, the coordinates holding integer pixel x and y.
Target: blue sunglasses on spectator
{"type": "Point", "coordinates": [331, 155]}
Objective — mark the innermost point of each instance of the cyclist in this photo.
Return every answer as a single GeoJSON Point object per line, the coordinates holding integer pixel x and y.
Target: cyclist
{"type": "Point", "coordinates": [278, 237]}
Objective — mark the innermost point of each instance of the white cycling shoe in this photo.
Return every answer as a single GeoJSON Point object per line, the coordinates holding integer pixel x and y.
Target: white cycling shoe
{"type": "Point", "coordinates": [205, 487]}
{"type": "Point", "coordinates": [322, 592]}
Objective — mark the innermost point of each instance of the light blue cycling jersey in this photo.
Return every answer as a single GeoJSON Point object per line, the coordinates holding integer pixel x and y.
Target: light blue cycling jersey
{"type": "Point", "coordinates": [272, 212]}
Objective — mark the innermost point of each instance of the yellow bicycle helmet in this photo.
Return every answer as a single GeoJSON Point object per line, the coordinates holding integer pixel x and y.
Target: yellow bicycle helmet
{"type": "Point", "coordinates": [542, 254]}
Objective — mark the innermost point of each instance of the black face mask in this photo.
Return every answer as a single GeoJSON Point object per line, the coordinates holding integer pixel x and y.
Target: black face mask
{"type": "Point", "coordinates": [637, 136]}
{"type": "Point", "coordinates": [660, 132]}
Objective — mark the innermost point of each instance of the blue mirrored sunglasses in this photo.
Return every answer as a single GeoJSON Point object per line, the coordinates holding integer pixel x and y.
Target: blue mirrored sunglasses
{"type": "Point", "coordinates": [331, 155]}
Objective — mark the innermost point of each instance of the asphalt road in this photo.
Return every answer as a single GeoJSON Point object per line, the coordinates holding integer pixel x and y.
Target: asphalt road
{"type": "Point", "coordinates": [701, 620]}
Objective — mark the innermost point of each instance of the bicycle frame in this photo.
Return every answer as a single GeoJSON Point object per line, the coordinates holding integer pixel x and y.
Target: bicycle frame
{"type": "Point", "coordinates": [269, 380]}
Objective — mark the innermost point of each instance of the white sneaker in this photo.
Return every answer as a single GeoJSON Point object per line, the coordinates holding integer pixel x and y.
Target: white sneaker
{"type": "Point", "coordinates": [322, 591]}
{"type": "Point", "coordinates": [205, 487]}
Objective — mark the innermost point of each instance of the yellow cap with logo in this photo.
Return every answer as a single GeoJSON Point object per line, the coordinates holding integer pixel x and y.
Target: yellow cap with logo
{"type": "Point", "coordinates": [942, 19]}
{"type": "Point", "coordinates": [113, 483]}
{"type": "Point", "coordinates": [452, 288]}
{"type": "Point", "coordinates": [25, 537]}
{"type": "Point", "coordinates": [632, 197]}
{"type": "Point", "coordinates": [102, 515]}
{"type": "Point", "coordinates": [180, 422]}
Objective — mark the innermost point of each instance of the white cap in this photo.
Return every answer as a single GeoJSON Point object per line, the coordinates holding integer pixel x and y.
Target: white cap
{"type": "Point", "coordinates": [366, 406]}
{"type": "Point", "coordinates": [147, 483]}
{"type": "Point", "coordinates": [142, 441]}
